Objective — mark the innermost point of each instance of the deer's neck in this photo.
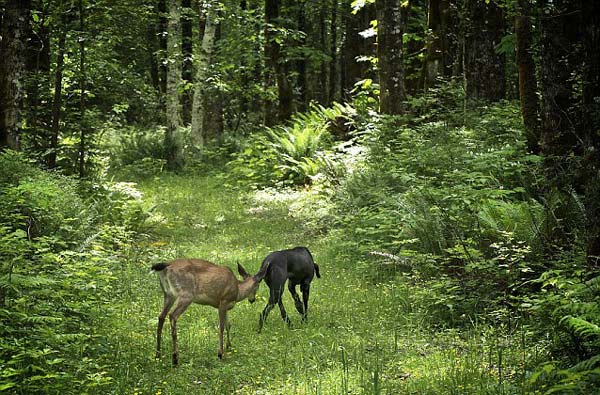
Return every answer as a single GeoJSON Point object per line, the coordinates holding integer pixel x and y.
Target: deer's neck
{"type": "Point", "coordinates": [244, 288]}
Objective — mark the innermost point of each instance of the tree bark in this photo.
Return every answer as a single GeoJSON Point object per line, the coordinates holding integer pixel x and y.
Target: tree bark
{"type": "Point", "coordinates": [12, 52]}
{"type": "Point", "coordinates": [333, 52]}
{"type": "Point", "coordinates": [276, 63]}
{"type": "Point", "coordinates": [82, 87]}
{"type": "Point", "coordinates": [163, 22]}
{"type": "Point", "coordinates": [173, 138]}
{"type": "Point", "coordinates": [324, 92]}
{"type": "Point", "coordinates": [301, 63]}
{"type": "Point", "coordinates": [199, 102]}
{"type": "Point", "coordinates": [527, 77]}
{"type": "Point", "coordinates": [558, 142]}
{"type": "Point", "coordinates": [591, 126]}
{"type": "Point", "coordinates": [433, 60]}
{"type": "Point", "coordinates": [355, 46]}
{"type": "Point", "coordinates": [187, 66]}
{"type": "Point", "coordinates": [57, 100]}
{"type": "Point", "coordinates": [484, 68]}
{"type": "Point", "coordinates": [390, 30]}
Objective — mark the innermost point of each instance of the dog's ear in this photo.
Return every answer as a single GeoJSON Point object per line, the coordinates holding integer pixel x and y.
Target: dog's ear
{"type": "Point", "coordinates": [242, 271]}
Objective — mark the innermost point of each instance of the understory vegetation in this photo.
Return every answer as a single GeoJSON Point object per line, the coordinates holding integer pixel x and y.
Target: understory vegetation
{"type": "Point", "coordinates": [432, 231]}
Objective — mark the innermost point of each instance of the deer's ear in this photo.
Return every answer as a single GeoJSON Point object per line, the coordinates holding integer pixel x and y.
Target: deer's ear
{"type": "Point", "coordinates": [242, 271]}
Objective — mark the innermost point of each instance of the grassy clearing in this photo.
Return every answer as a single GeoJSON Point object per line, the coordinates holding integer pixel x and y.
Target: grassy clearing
{"type": "Point", "coordinates": [362, 336]}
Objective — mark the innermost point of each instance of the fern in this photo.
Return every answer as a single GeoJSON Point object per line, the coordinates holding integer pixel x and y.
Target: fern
{"type": "Point", "coordinates": [581, 326]}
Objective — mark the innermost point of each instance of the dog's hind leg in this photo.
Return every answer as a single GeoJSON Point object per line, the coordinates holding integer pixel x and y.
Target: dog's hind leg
{"type": "Point", "coordinates": [297, 301]}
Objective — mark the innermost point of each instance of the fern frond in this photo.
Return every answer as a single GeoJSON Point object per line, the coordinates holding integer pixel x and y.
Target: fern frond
{"type": "Point", "coordinates": [588, 364]}
{"type": "Point", "coordinates": [580, 326]}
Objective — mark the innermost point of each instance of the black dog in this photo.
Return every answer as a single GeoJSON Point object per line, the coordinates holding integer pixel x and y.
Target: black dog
{"type": "Point", "coordinates": [298, 265]}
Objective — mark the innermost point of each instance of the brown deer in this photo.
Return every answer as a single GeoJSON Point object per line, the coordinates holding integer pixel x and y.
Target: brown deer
{"type": "Point", "coordinates": [190, 281]}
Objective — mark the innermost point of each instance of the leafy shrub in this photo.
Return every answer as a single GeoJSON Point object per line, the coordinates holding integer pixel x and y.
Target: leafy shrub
{"type": "Point", "coordinates": [136, 151]}
{"type": "Point", "coordinates": [291, 154]}
{"type": "Point", "coordinates": [58, 247]}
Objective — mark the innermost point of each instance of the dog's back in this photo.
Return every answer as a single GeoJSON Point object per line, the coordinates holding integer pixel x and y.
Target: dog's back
{"type": "Point", "coordinates": [296, 264]}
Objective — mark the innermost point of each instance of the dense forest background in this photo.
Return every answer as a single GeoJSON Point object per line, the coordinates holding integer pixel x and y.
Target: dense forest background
{"type": "Point", "coordinates": [449, 147]}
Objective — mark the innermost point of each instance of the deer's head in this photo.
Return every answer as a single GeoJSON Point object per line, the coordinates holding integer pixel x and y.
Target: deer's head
{"type": "Point", "coordinates": [254, 280]}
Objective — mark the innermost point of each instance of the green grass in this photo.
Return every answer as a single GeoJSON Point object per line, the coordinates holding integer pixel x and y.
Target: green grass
{"type": "Point", "coordinates": [363, 337]}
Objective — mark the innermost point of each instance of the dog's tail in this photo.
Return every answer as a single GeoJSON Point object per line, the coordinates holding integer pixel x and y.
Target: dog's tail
{"type": "Point", "coordinates": [317, 271]}
{"type": "Point", "coordinates": [157, 267]}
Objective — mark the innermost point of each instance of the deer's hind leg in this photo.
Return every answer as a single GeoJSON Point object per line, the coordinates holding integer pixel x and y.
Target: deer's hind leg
{"type": "Point", "coordinates": [167, 304]}
{"type": "Point", "coordinates": [182, 305]}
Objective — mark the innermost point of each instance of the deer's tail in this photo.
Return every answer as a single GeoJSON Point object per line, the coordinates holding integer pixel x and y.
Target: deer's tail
{"type": "Point", "coordinates": [317, 270]}
{"type": "Point", "coordinates": [157, 267]}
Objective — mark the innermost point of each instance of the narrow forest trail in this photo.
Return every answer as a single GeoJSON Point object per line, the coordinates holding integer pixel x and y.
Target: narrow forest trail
{"type": "Point", "coordinates": [362, 336]}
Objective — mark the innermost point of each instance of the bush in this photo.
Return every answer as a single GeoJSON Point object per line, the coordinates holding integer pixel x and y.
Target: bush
{"type": "Point", "coordinates": [292, 154]}
{"type": "Point", "coordinates": [59, 249]}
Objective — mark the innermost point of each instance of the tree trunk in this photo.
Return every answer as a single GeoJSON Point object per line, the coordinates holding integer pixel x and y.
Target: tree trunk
{"type": "Point", "coordinates": [38, 68]}
{"type": "Point", "coordinates": [558, 141]}
{"type": "Point", "coordinates": [301, 63]}
{"type": "Point", "coordinates": [163, 22]}
{"type": "Point", "coordinates": [354, 46]}
{"type": "Point", "coordinates": [12, 52]}
{"type": "Point", "coordinates": [199, 102]}
{"type": "Point", "coordinates": [527, 78]}
{"type": "Point", "coordinates": [433, 61]}
{"type": "Point", "coordinates": [390, 26]}
{"type": "Point", "coordinates": [213, 104]}
{"type": "Point", "coordinates": [57, 100]}
{"type": "Point", "coordinates": [484, 68]}
{"type": "Point", "coordinates": [333, 74]}
{"type": "Point", "coordinates": [275, 62]}
{"type": "Point", "coordinates": [173, 138]}
{"type": "Point", "coordinates": [449, 35]}
{"type": "Point", "coordinates": [559, 30]}
{"type": "Point", "coordinates": [82, 87]}
{"type": "Point", "coordinates": [591, 127]}
{"type": "Point", "coordinates": [324, 92]}
{"type": "Point", "coordinates": [187, 67]}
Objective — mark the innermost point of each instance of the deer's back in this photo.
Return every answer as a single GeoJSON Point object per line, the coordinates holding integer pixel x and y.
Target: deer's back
{"type": "Point", "coordinates": [204, 282]}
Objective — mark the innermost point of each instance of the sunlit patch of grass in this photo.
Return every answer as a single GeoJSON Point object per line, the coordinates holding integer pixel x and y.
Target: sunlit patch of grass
{"type": "Point", "coordinates": [362, 336]}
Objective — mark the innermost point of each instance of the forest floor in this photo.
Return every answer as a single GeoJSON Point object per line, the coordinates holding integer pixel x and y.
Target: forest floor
{"type": "Point", "coordinates": [362, 336]}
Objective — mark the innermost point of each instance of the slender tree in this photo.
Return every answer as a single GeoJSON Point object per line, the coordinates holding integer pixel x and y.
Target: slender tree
{"type": "Point", "coordinates": [390, 30]}
{"type": "Point", "coordinates": [276, 63]}
{"type": "Point", "coordinates": [57, 99]}
{"type": "Point", "coordinates": [355, 46]}
{"type": "Point", "coordinates": [173, 139]}
{"type": "Point", "coordinates": [199, 105]}
{"type": "Point", "coordinates": [83, 133]}
{"type": "Point", "coordinates": [433, 60]}
{"type": "Point", "coordinates": [333, 52]}
{"type": "Point", "coordinates": [527, 77]}
{"type": "Point", "coordinates": [187, 66]}
{"type": "Point", "coordinates": [12, 50]}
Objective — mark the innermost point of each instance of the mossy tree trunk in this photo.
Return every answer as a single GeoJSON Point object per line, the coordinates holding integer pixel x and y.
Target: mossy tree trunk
{"type": "Point", "coordinates": [390, 31]}
{"type": "Point", "coordinates": [173, 138]}
{"type": "Point", "coordinates": [12, 52]}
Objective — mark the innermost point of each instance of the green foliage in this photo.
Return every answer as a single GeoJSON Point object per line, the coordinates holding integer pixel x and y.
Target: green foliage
{"type": "Point", "coordinates": [135, 151]}
{"type": "Point", "coordinates": [59, 241]}
{"type": "Point", "coordinates": [291, 154]}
